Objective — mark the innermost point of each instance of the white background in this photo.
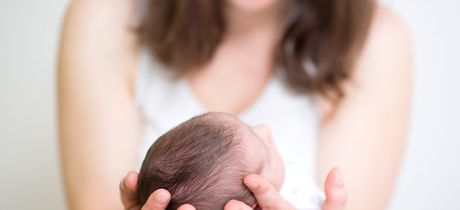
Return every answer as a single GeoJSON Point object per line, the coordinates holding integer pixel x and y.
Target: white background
{"type": "Point", "coordinates": [29, 169]}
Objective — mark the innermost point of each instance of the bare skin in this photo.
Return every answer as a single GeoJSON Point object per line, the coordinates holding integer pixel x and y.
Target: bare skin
{"type": "Point", "coordinates": [97, 67]}
{"type": "Point", "coordinates": [267, 196]}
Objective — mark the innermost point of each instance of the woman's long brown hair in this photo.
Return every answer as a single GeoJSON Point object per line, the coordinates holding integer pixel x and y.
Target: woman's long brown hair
{"type": "Point", "coordinates": [317, 51]}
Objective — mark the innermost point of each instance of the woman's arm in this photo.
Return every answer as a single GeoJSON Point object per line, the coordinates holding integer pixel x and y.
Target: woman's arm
{"type": "Point", "coordinates": [366, 136]}
{"type": "Point", "coordinates": [98, 121]}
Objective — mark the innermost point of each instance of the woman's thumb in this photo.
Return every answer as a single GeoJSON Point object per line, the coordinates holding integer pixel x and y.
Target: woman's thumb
{"type": "Point", "coordinates": [336, 196]}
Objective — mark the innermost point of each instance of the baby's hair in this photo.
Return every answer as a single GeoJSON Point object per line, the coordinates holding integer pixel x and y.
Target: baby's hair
{"type": "Point", "coordinates": [200, 162]}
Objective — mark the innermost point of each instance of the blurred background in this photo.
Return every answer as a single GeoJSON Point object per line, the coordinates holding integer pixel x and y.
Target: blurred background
{"type": "Point", "coordinates": [29, 168]}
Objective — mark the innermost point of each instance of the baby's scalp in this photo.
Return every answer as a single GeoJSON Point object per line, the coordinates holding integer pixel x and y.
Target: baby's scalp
{"type": "Point", "coordinates": [200, 162]}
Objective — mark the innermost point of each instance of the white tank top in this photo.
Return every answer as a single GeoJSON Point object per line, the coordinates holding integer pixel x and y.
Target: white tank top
{"type": "Point", "coordinates": [165, 102]}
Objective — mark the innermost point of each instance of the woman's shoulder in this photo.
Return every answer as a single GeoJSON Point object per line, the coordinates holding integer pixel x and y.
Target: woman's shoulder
{"type": "Point", "coordinates": [388, 31]}
{"type": "Point", "coordinates": [387, 52]}
{"type": "Point", "coordinates": [386, 56]}
{"type": "Point", "coordinates": [388, 45]}
{"type": "Point", "coordinates": [103, 16]}
{"type": "Point", "coordinates": [118, 11]}
{"type": "Point", "coordinates": [99, 37]}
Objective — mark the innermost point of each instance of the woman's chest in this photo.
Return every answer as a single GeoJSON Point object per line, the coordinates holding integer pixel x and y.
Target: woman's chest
{"type": "Point", "coordinates": [225, 90]}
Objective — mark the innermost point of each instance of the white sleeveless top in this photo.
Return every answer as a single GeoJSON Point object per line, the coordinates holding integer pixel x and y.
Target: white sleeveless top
{"type": "Point", "coordinates": [165, 102]}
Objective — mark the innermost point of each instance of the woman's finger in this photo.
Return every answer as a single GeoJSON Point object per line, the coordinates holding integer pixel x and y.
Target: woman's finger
{"type": "Point", "coordinates": [186, 207]}
{"type": "Point", "coordinates": [158, 200]}
{"type": "Point", "coordinates": [266, 195]}
{"type": "Point", "coordinates": [128, 191]}
{"type": "Point", "coordinates": [236, 205]}
{"type": "Point", "coordinates": [336, 196]}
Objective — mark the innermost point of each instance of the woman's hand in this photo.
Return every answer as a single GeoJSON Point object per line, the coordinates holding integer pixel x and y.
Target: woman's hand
{"type": "Point", "coordinates": [266, 195]}
{"type": "Point", "coordinates": [158, 200]}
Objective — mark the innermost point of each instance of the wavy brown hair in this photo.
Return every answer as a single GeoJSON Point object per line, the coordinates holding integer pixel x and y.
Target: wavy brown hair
{"type": "Point", "coordinates": [319, 46]}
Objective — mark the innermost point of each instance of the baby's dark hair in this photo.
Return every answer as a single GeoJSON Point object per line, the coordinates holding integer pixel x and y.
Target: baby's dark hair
{"type": "Point", "coordinates": [200, 162]}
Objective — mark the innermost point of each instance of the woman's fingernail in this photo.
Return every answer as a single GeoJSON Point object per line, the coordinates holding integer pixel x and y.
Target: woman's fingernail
{"type": "Point", "coordinates": [236, 207]}
{"type": "Point", "coordinates": [233, 205]}
{"type": "Point", "coordinates": [252, 184]}
{"type": "Point", "coordinates": [161, 199]}
{"type": "Point", "coordinates": [338, 178]}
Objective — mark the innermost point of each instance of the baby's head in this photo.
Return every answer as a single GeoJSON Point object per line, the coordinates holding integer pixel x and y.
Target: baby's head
{"type": "Point", "coordinates": [203, 161]}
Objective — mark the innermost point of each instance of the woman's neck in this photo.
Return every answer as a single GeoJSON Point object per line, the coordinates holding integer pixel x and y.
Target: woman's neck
{"type": "Point", "coordinates": [243, 24]}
